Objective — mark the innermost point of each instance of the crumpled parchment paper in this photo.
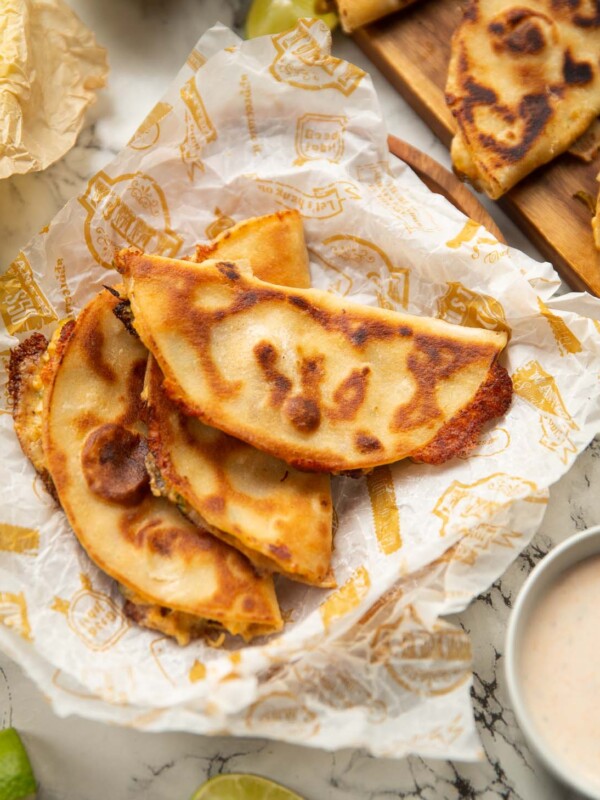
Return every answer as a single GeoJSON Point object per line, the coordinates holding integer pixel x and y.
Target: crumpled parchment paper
{"type": "Point", "coordinates": [245, 129]}
{"type": "Point", "coordinates": [50, 67]}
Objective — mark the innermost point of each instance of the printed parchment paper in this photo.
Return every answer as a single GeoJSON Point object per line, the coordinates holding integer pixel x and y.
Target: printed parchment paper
{"type": "Point", "coordinates": [50, 67]}
{"type": "Point", "coordinates": [248, 128]}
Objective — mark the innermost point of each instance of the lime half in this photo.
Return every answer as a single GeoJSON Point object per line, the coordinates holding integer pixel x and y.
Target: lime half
{"type": "Point", "coordinates": [16, 775]}
{"type": "Point", "coordinates": [273, 16]}
{"type": "Point", "coordinates": [242, 787]}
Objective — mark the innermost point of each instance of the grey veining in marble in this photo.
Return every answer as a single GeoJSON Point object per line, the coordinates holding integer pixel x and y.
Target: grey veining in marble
{"type": "Point", "coordinates": [74, 759]}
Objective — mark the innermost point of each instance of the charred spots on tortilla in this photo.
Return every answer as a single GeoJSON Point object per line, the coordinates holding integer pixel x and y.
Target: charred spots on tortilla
{"type": "Point", "coordinates": [587, 22]}
{"type": "Point", "coordinates": [367, 443]}
{"type": "Point", "coordinates": [124, 314]}
{"type": "Point", "coordinates": [350, 394]}
{"type": "Point", "coordinates": [534, 112]}
{"type": "Point", "coordinates": [520, 32]}
{"type": "Point", "coordinates": [303, 413]}
{"type": "Point", "coordinates": [527, 39]}
{"type": "Point", "coordinates": [267, 356]}
{"type": "Point", "coordinates": [359, 335]}
{"type": "Point", "coordinates": [576, 72]}
{"type": "Point", "coordinates": [229, 270]}
{"type": "Point", "coordinates": [299, 302]}
{"type": "Point", "coordinates": [281, 551]}
{"type": "Point", "coordinates": [477, 95]}
{"type": "Point", "coordinates": [574, 9]}
{"type": "Point", "coordinates": [93, 341]}
{"type": "Point", "coordinates": [471, 12]}
{"type": "Point", "coordinates": [113, 461]}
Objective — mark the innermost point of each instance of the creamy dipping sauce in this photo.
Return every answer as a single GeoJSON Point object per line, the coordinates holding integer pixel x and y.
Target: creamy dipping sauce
{"type": "Point", "coordinates": [560, 667]}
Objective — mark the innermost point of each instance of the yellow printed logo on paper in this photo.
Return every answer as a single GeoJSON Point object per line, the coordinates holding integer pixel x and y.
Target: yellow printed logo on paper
{"type": "Point", "coordinates": [437, 739]}
{"type": "Point", "coordinates": [466, 234]}
{"type": "Point", "coordinates": [381, 184]}
{"type": "Point", "coordinates": [102, 685]}
{"type": "Point", "coordinates": [565, 339]}
{"type": "Point", "coordinates": [473, 232]}
{"type": "Point", "coordinates": [491, 443]}
{"type": "Point", "coordinates": [221, 223]}
{"type": "Point", "coordinates": [480, 540]}
{"type": "Point", "coordinates": [199, 130]}
{"type": "Point", "coordinates": [468, 505]}
{"type": "Point", "coordinates": [385, 604]}
{"type": "Point", "coordinates": [184, 667]}
{"type": "Point", "coordinates": [323, 202]}
{"type": "Point", "coordinates": [61, 277]}
{"type": "Point", "coordinates": [301, 62]}
{"type": "Point", "coordinates": [375, 172]}
{"type": "Point", "coordinates": [462, 306]}
{"type": "Point", "coordinates": [128, 210]}
{"type": "Point", "coordinates": [380, 485]}
{"type": "Point", "coordinates": [538, 387]}
{"type": "Point", "coordinates": [282, 711]}
{"type": "Point", "coordinates": [23, 305]}
{"type": "Point", "coordinates": [408, 655]}
{"type": "Point", "coordinates": [346, 598]}
{"type": "Point", "coordinates": [342, 251]}
{"type": "Point", "coordinates": [13, 614]}
{"type": "Point", "coordinates": [15, 539]}
{"type": "Point", "coordinates": [338, 688]}
{"type": "Point", "coordinates": [94, 618]}
{"type": "Point", "coordinates": [250, 111]}
{"type": "Point", "coordinates": [66, 683]}
{"type": "Point", "coordinates": [148, 132]}
{"type": "Point", "coordinates": [320, 136]}
{"type": "Point", "coordinates": [197, 672]}
{"type": "Point", "coordinates": [195, 60]}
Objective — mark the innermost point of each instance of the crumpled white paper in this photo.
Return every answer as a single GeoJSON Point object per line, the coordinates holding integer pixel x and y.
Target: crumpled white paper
{"type": "Point", "coordinates": [248, 128]}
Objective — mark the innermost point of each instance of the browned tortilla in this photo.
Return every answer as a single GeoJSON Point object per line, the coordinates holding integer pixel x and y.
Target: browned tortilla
{"type": "Point", "coordinates": [356, 13]}
{"type": "Point", "coordinates": [308, 377]}
{"type": "Point", "coordinates": [94, 446]}
{"type": "Point", "coordinates": [523, 85]}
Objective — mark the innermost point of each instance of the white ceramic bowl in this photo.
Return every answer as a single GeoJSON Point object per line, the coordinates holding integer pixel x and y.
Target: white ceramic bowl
{"type": "Point", "coordinates": [567, 554]}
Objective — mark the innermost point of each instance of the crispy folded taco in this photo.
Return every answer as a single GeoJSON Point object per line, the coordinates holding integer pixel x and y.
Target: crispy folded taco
{"type": "Point", "coordinates": [523, 85]}
{"type": "Point", "coordinates": [279, 517]}
{"type": "Point", "coordinates": [177, 577]}
{"type": "Point", "coordinates": [356, 13]}
{"type": "Point", "coordinates": [311, 378]}
{"type": "Point", "coordinates": [275, 243]}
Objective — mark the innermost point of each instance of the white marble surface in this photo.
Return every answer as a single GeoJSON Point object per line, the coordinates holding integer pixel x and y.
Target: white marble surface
{"type": "Point", "coordinates": [148, 40]}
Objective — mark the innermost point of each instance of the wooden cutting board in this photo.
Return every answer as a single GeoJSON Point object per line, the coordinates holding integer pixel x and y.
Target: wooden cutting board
{"type": "Point", "coordinates": [412, 49]}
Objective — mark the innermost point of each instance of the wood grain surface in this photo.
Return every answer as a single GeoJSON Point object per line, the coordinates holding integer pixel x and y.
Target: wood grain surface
{"type": "Point", "coordinates": [412, 48]}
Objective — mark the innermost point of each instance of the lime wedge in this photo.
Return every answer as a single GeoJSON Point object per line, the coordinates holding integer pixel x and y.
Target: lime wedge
{"type": "Point", "coordinates": [16, 775]}
{"type": "Point", "coordinates": [242, 787]}
{"type": "Point", "coordinates": [273, 16]}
